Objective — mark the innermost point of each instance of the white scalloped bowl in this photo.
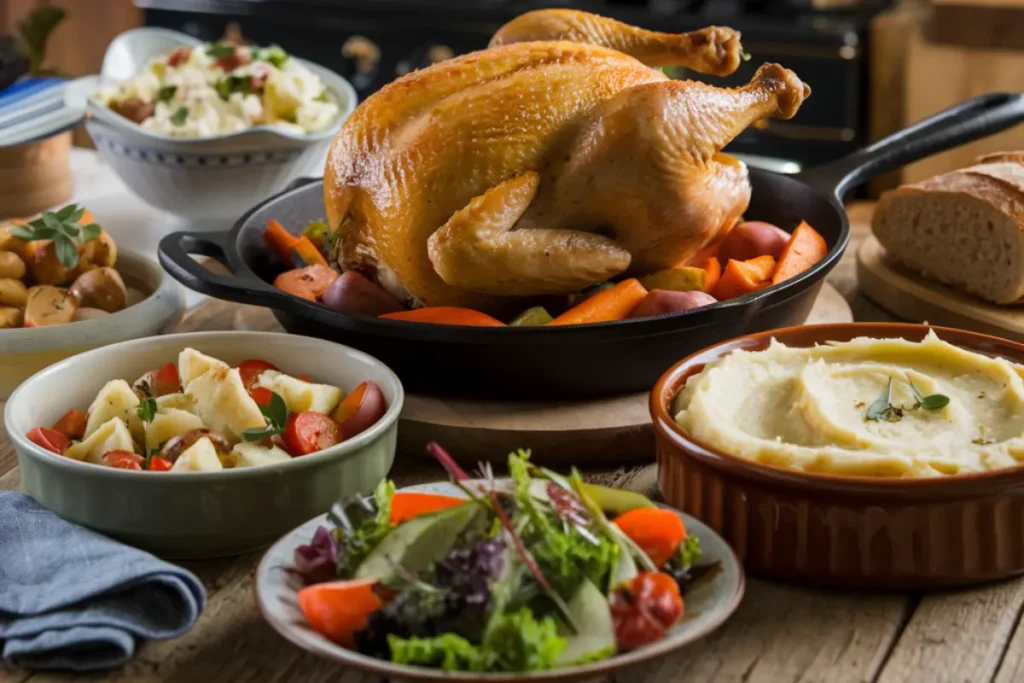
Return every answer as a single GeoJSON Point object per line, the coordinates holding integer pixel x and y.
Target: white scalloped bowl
{"type": "Point", "coordinates": [211, 178]}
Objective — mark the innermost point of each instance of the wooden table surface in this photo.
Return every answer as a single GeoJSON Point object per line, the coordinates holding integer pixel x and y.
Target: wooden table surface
{"type": "Point", "coordinates": [780, 634]}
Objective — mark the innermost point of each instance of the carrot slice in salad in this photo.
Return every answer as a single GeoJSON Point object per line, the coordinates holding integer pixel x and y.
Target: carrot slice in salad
{"type": "Point", "coordinates": [47, 438]}
{"type": "Point", "coordinates": [406, 505]}
{"type": "Point", "coordinates": [339, 609]}
{"type": "Point", "coordinates": [71, 425]}
{"type": "Point", "coordinates": [657, 531]}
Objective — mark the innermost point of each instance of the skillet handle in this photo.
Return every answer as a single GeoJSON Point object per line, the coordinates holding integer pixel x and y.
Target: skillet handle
{"type": "Point", "coordinates": [175, 252]}
{"type": "Point", "coordinates": [971, 120]}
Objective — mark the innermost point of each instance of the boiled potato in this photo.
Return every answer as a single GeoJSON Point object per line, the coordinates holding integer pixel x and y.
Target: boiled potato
{"type": "Point", "coordinates": [47, 305]}
{"type": "Point", "coordinates": [88, 314]}
{"type": "Point", "coordinates": [115, 399]}
{"type": "Point", "coordinates": [98, 253]}
{"type": "Point", "coordinates": [223, 404]}
{"type": "Point", "coordinates": [301, 396]}
{"type": "Point", "coordinates": [11, 265]}
{"type": "Point", "coordinates": [10, 317]}
{"type": "Point", "coordinates": [168, 424]}
{"type": "Point", "coordinates": [200, 457]}
{"type": "Point", "coordinates": [112, 435]}
{"type": "Point", "coordinates": [13, 293]}
{"type": "Point", "coordinates": [100, 288]}
{"type": "Point", "coordinates": [175, 402]}
{"type": "Point", "coordinates": [43, 264]}
{"type": "Point", "coordinates": [253, 455]}
{"type": "Point", "coordinates": [192, 364]}
{"type": "Point", "coordinates": [685, 279]}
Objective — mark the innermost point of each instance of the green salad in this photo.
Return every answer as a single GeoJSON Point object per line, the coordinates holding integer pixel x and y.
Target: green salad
{"type": "Point", "coordinates": [533, 572]}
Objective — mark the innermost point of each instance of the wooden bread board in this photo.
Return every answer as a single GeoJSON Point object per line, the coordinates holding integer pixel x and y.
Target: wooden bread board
{"type": "Point", "coordinates": [912, 297]}
{"type": "Point", "coordinates": [601, 432]}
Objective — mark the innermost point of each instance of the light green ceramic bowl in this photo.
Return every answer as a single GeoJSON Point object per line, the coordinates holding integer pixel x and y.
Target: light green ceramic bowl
{"type": "Point", "coordinates": [196, 514]}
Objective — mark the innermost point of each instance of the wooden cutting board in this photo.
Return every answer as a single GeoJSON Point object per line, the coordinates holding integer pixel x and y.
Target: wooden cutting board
{"type": "Point", "coordinates": [608, 432]}
{"type": "Point", "coordinates": [912, 297]}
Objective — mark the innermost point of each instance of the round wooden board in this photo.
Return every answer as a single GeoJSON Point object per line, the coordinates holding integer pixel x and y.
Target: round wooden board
{"type": "Point", "coordinates": [608, 431]}
{"type": "Point", "coordinates": [912, 297]}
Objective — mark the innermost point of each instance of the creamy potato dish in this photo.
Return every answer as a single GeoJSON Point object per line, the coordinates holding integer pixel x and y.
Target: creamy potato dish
{"type": "Point", "coordinates": [868, 407]}
{"type": "Point", "coordinates": [221, 88]}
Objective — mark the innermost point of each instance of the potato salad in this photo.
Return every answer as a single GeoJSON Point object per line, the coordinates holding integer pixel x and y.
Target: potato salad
{"type": "Point", "coordinates": [220, 88]}
{"type": "Point", "coordinates": [203, 415]}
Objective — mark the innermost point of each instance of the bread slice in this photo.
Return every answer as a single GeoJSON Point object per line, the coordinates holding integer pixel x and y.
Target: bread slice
{"type": "Point", "coordinates": [964, 228]}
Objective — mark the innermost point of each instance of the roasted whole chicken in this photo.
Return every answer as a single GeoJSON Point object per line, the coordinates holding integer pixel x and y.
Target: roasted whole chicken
{"type": "Point", "coordinates": [556, 159]}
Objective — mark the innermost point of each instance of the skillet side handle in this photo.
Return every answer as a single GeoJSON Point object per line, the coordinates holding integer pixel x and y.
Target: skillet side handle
{"type": "Point", "coordinates": [175, 255]}
{"type": "Point", "coordinates": [966, 122]}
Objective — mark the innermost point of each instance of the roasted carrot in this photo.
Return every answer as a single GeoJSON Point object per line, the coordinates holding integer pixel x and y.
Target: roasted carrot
{"type": "Point", "coordinates": [305, 253]}
{"type": "Point", "coordinates": [339, 609]}
{"type": "Point", "coordinates": [805, 248]}
{"type": "Point", "coordinates": [71, 424]}
{"type": "Point", "coordinates": [657, 531]}
{"type": "Point", "coordinates": [280, 241]}
{"type": "Point", "coordinates": [308, 283]}
{"type": "Point", "coordinates": [713, 269]}
{"type": "Point", "coordinates": [445, 315]}
{"type": "Point", "coordinates": [744, 277]}
{"type": "Point", "coordinates": [406, 505]}
{"type": "Point", "coordinates": [615, 303]}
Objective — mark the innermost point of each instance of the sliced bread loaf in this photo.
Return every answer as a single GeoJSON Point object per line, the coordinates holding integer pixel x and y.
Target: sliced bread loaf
{"type": "Point", "coordinates": [964, 228]}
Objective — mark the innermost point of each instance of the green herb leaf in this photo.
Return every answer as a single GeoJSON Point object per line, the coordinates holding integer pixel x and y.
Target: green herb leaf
{"type": "Point", "coordinates": [275, 55]}
{"type": "Point", "coordinates": [146, 410]}
{"type": "Point", "coordinates": [72, 230]}
{"type": "Point", "coordinates": [91, 232]}
{"type": "Point", "coordinates": [228, 85]}
{"type": "Point", "coordinates": [51, 220]}
{"type": "Point", "coordinates": [23, 233]}
{"type": "Point", "coordinates": [935, 402]}
{"type": "Point", "coordinates": [218, 50]}
{"type": "Point", "coordinates": [165, 93]}
{"type": "Point", "coordinates": [276, 413]}
{"type": "Point", "coordinates": [689, 552]}
{"type": "Point", "coordinates": [882, 406]}
{"type": "Point", "coordinates": [261, 434]}
{"type": "Point", "coordinates": [67, 252]}
{"type": "Point", "coordinates": [179, 116]}
{"type": "Point", "coordinates": [66, 213]}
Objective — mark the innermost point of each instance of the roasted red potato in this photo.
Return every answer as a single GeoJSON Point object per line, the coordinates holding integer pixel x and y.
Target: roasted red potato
{"type": "Point", "coordinates": [660, 302]}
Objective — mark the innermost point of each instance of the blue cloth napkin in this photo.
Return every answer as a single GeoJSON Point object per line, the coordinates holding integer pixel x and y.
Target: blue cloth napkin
{"type": "Point", "coordinates": [73, 599]}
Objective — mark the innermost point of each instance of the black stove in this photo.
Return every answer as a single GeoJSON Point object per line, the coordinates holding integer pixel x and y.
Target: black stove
{"type": "Point", "coordinates": [372, 41]}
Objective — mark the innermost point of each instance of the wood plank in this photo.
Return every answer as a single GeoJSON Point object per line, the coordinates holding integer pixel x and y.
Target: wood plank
{"type": "Point", "coordinates": [790, 634]}
{"type": "Point", "coordinates": [959, 637]}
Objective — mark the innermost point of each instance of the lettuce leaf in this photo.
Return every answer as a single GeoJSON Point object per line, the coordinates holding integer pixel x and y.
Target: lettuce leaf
{"type": "Point", "coordinates": [447, 652]}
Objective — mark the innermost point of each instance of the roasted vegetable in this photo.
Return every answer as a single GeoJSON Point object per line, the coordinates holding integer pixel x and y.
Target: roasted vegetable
{"type": "Point", "coordinates": [804, 249]}
{"type": "Point", "coordinates": [607, 305]}
{"type": "Point", "coordinates": [532, 317]}
{"type": "Point", "coordinates": [354, 293]}
{"type": "Point", "coordinates": [100, 288]}
{"type": "Point", "coordinates": [10, 317]}
{"type": "Point", "coordinates": [47, 305]}
{"type": "Point", "coordinates": [744, 277]}
{"type": "Point", "coordinates": [446, 315]}
{"type": "Point", "coordinates": [11, 265]}
{"type": "Point", "coordinates": [308, 283]}
{"type": "Point", "coordinates": [660, 302]}
{"type": "Point", "coordinates": [686, 279]}
{"type": "Point", "coordinates": [752, 239]}
{"type": "Point", "coordinates": [13, 293]}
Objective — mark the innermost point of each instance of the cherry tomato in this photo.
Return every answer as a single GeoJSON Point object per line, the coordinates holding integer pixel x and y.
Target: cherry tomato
{"type": "Point", "coordinates": [47, 438]}
{"type": "Point", "coordinates": [166, 381]}
{"type": "Point", "coordinates": [251, 369]}
{"type": "Point", "coordinates": [261, 395]}
{"type": "Point", "coordinates": [123, 460]}
{"type": "Point", "coordinates": [71, 425]}
{"type": "Point", "coordinates": [178, 56]}
{"type": "Point", "coordinates": [310, 432]}
{"type": "Point", "coordinates": [644, 609]}
{"type": "Point", "coordinates": [233, 61]}
{"type": "Point", "coordinates": [158, 464]}
{"type": "Point", "coordinates": [360, 409]}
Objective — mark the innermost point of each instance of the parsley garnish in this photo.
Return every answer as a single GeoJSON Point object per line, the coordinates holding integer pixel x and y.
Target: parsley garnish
{"type": "Point", "coordinates": [883, 409]}
{"type": "Point", "coordinates": [146, 410]}
{"type": "Point", "coordinates": [218, 50]}
{"type": "Point", "coordinates": [232, 84]}
{"type": "Point", "coordinates": [165, 93]}
{"type": "Point", "coordinates": [275, 55]}
{"type": "Point", "coordinates": [276, 414]}
{"type": "Point", "coordinates": [63, 228]}
{"type": "Point", "coordinates": [179, 116]}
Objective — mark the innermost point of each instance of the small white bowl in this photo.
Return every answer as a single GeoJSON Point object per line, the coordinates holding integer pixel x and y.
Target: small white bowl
{"type": "Point", "coordinates": [200, 514]}
{"type": "Point", "coordinates": [210, 178]}
{"type": "Point", "coordinates": [25, 351]}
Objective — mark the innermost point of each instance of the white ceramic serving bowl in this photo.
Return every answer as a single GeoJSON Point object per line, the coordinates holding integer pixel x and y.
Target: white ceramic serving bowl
{"type": "Point", "coordinates": [200, 514]}
{"type": "Point", "coordinates": [25, 351]}
{"type": "Point", "coordinates": [211, 178]}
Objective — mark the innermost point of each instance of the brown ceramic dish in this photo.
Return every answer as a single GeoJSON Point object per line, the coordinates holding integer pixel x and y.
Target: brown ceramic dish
{"type": "Point", "coordinates": [843, 530]}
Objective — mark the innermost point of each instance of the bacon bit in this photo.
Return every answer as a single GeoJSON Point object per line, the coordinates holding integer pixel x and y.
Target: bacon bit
{"type": "Point", "coordinates": [134, 109]}
{"type": "Point", "coordinates": [258, 79]}
{"type": "Point", "coordinates": [232, 62]}
{"type": "Point", "coordinates": [179, 56]}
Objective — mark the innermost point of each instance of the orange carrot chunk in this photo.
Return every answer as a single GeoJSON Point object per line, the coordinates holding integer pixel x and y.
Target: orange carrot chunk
{"type": "Point", "coordinates": [406, 505]}
{"type": "Point", "coordinates": [339, 609]}
{"type": "Point", "coordinates": [744, 277]}
{"type": "Point", "coordinates": [71, 425]}
{"type": "Point", "coordinates": [713, 267]}
{"type": "Point", "coordinates": [280, 241]}
{"type": "Point", "coordinates": [308, 283]}
{"type": "Point", "coordinates": [445, 315]}
{"type": "Point", "coordinates": [305, 253]}
{"type": "Point", "coordinates": [657, 531]}
{"type": "Point", "coordinates": [615, 303]}
{"type": "Point", "coordinates": [805, 248]}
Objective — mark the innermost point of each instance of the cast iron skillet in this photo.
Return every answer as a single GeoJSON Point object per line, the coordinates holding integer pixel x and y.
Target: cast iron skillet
{"type": "Point", "coordinates": [584, 360]}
